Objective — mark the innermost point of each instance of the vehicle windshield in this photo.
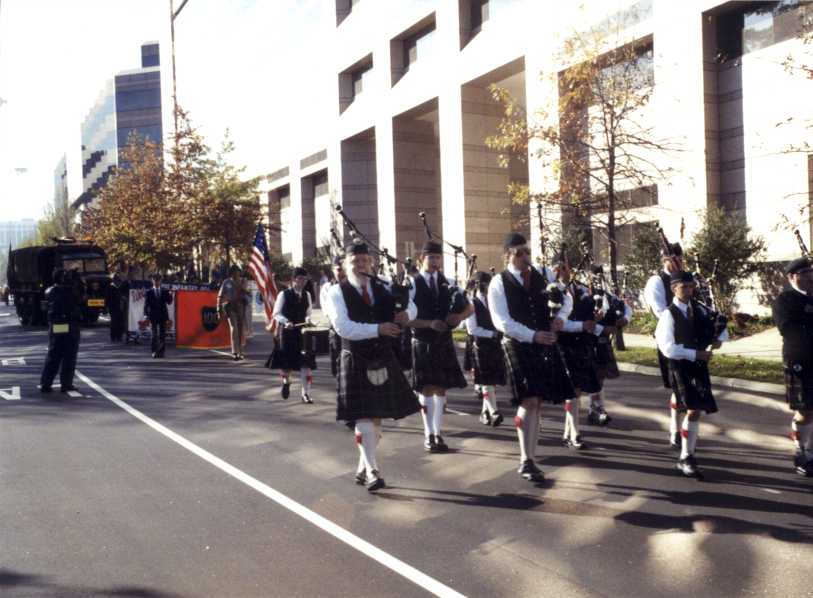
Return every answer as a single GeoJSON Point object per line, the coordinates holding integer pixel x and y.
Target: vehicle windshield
{"type": "Point", "coordinates": [85, 266]}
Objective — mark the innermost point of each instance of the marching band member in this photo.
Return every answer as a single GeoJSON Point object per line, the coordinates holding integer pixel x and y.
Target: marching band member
{"type": "Point", "coordinates": [292, 310]}
{"type": "Point", "coordinates": [683, 338]}
{"type": "Point", "coordinates": [486, 352]}
{"type": "Point", "coordinates": [434, 359]}
{"type": "Point", "coordinates": [658, 296]}
{"type": "Point", "coordinates": [793, 315]}
{"type": "Point", "coordinates": [519, 301]}
{"type": "Point", "coordinates": [335, 342]}
{"type": "Point", "coordinates": [371, 383]}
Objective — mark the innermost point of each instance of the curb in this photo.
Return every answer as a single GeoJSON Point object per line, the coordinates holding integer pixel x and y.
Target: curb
{"type": "Point", "coordinates": [735, 383]}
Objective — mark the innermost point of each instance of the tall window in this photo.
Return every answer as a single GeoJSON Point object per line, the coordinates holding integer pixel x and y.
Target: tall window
{"type": "Point", "coordinates": [417, 45]}
{"type": "Point", "coordinates": [479, 14]}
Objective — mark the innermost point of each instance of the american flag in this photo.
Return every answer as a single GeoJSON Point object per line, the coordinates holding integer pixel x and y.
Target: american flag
{"type": "Point", "coordinates": [260, 268]}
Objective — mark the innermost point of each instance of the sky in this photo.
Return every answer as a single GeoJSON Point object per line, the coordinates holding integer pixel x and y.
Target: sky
{"type": "Point", "coordinates": [234, 71]}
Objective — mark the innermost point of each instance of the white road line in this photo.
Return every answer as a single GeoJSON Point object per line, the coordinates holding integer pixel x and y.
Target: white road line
{"type": "Point", "coordinates": [401, 568]}
{"type": "Point", "coordinates": [455, 411]}
{"type": "Point", "coordinates": [74, 394]}
{"type": "Point", "coordinates": [220, 352]}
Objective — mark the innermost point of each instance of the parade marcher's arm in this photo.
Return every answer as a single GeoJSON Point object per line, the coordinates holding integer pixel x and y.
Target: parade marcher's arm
{"type": "Point", "coordinates": [278, 305]}
{"type": "Point", "coordinates": [655, 296]}
{"type": "Point", "coordinates": [503, 321]}
{"type": "Point", "coordinates": [344, 326]}
{"type": "Point", "coordinates": [566, 309]}
{"type": "Point", "coordinates": [412, 309]}
{"type": "Point", "coordinates": [309, 309]}
{"type": "Point", "coordinates": [665, 336]}
{"type": "Point", "coordinates": [474, 330]}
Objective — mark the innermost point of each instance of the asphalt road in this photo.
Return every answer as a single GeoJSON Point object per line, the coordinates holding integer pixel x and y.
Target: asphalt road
{"type": "Point", "coordinates": [189, 476]}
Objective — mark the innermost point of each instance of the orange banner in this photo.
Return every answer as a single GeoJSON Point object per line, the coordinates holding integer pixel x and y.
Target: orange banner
{"type": "Point", "coordinates": [197, 323]}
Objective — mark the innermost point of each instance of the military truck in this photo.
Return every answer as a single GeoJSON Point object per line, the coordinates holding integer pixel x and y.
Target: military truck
{"type": "Point", "coordinates": [30, 273]}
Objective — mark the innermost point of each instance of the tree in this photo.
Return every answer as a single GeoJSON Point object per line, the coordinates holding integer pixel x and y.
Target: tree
{"type": "Point", "coordinates": [593, 141]}
{"type": "Point", "coordinates": [726, 241]}
{"type": "Point", "coordinates": [644, 257]}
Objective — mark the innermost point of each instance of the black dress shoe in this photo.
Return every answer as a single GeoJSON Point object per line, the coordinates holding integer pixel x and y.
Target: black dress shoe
{"type": "Point", "coordinates": [155, 355]}
{"type": "Point", "coordinates": [44, 389]}
{"type": "Point", "coordinates": [529, 471]}
{"type": "Point", "coordinates": [441, 446]}
{"type": "Point", "coordinates": [430, 445]}
{"type": "Point", "coordinates": [361, 478]}
{"type": "Point", "coordinates": [375, 482]}
{"type": "Point", "coordinates": [485, 418]}
{"type": "Point", "coordinates": [496, 419]}
{"type": "Point", "coordinates": [801, 465]}
{"type": "Point", "coordinates": [286, 390]}
{"type": "Point", "coordinates": [307, 399]}
{"type": "Point", "coordinates": [67, 388]}
{"type": "Point", "coordinates": [688, 467]}
{"type": "Point", "coordinates": [576, 444]}
{"type": "Point", "coordinates": [235, 357]}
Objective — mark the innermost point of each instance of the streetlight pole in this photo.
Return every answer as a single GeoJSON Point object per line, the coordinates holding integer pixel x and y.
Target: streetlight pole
{"type": "Point", "coordinates": [172, 16]}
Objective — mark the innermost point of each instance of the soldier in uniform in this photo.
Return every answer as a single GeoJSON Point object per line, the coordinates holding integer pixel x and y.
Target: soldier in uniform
{"type": "Point", "coordinates": [683, 338]}
{"type": "Point", "coordinates": [658, 296]}
{"type": "Point", "coordinates": [434, 359]}
{"type": "Point", "coordinates": [115, 306]}
{"type": "Point", "coordinates": [63, 334]}
{"type": "Point", "coordinates": [793, 315]}
{"type": "Point", "coordinates": [521, 307]}
{"type": "Point", "coordinates": [486, 352]}
{"type": "Point", "coordinates": [292, 310]}
{"type": "Point", "coordinates": [372, 385]}
{"type": "Point", "coordinates": [155, 310]}
{"type": "Point", "coordinates": [334, 341]}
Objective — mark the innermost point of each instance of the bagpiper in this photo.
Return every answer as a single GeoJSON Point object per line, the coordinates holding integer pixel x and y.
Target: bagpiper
{"type": "Point", "coordinates": [434, 358]}
{"type": "Point", "coordinates": [292, 311]}
{"type": "Point", "coordinates": [684, 332]}
{"type": "Point", "coordinates": [371, 383]}
{"type": "Point", "coordinates": [523, 308]}
{"type": "Point", "coordinates": [486, 352]}
{"type": "Point", "coordinates": [793, 316]}
{"type": "Point", "coordinates": [658, 296]}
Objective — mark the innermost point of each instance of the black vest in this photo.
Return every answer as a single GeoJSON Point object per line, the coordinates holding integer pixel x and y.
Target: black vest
{"type": "Point", "coordinates": [483, 315]}
{"type": "Point", "coordinates": [382, 309]}
{"type": "Point", "coordinates": [687, 333]}
{"type": "Point", "coordinates": [529, 308]}
{"type": "Point", "coordinates": [429, 307]}
{"type": "Point", "coordinates": [584, 306]}
{"type": "Point", "coordinates": [295, 309]}
{"type": "Point", "coordinates": [793, 315]}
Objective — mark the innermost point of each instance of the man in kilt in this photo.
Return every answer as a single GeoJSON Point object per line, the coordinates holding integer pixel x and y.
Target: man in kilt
{"type": "Point", "coordinates": [371, 383]}
{"type": "Point", "coordinates": [684, 335]}
{"type": "Point", "coordinates": [486, 351]}
{"type": "Point", "coordinates": [292, 311]}
{"type": "Point", "coordinates": [520, 305]}
{"type": "Point", "coordinates": [658, 296]}
{"type": "Point", "coordinates": [335, 343]}
{"type": "Point", "coordinates": [793, 315]}
{"type": "Point", "coordinates": [435, 367]}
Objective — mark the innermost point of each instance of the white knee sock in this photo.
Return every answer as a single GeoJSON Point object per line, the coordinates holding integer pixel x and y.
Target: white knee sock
{"type": "Point", "coordinates": [572, 418]}
{"type": "Point", "coordinates": [366, 441]}
{"type": "Point", "coordinates": [802, 435]}
{"type": "Point", "coordinates": [688, 434]}
{"type": "Point", "coordinates": [305, 379]}
{"type": "Point", "coordinates": [674, 414]}
{"type": "Point", "coordinates": [437, 419]}
{"type": "Point", "coordinates": [427, 413]}
{"type": "Point", "coordinates": [523, 432]}
{"type": "Point", "coordinates": [490, 399]}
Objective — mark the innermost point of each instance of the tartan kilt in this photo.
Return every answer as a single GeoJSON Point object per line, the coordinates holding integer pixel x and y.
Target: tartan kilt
{"type": "Point", "coordinates": [288, 353]}
{"type": "Point", "coordinates": [663, 364]}
{"type": "Point", "coordinates": [692, 385]}
{"type": "Point", "coordinates": [798, 387]}
{"type": "Point", "coordinates": [468, 354]}
{"type": "Point", "coordinates": [435, 364]}
{"type": "Point", "coordinates": [335, 345]}
{"type": "Point", "coordinates": [403, 349]}
{"type": "Point", "coordinates": [606, 364]}
{"type": "Point", "coordinates": [535, 370]}
{"type": "Point", "coordinates": [488, 362]}
{"type": "Point", "coordinates": [371, 384]}
{"type": "Point", "coordinates": [579, 351]}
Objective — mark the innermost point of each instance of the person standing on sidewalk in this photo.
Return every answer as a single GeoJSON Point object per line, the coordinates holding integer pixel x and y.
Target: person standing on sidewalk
{"type": "Point", "coordinates": [230, 304]}
{"type": "Point", "coordinates": [793, 315]}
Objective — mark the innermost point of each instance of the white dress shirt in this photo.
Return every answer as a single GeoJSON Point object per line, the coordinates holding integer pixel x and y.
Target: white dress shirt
{"type": "Point", "coordinates": [427, 278]}
{"type": "Point", "coordinates": [350, 329]}
{"type": "Point", "coordinates": [655, 295]}
{"type": "Point", "coordinates": [280, 303]}
{"type": "Point", "coordinates": [498, 306]}
{"type": "Point", "coordinates": [665, 335]}
{"type": "Point", "coordinates": [472, 326]}
{"type": "Point", "coordinates": [323, 300]}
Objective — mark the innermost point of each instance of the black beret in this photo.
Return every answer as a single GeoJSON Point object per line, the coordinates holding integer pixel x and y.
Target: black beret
{"type": "Point", "coordinates": [357, 247]}
{"type": "Point", "coordinates": [797, 265]}
{"type": "Point", "coordinates": [675, 250]}
{"type": "Point", "coordinates": [432, 247]}
{"type": "Point", "coordinates": [482, 278]}
{"type": "Point", "coordinates": [300, 271]}
{"type": "Point", "coordinates": [514, 240]}
{"type": "Point", "coordinates": [680, 277]}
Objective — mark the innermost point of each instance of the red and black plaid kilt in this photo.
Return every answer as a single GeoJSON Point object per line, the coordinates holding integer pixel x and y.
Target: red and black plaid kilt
{"type": "Point", "coordinates": [488, 362]}
{"type": "Point", "coordinates": [798, 386]}
{"type": "Point", "coordinates": [691, 384]}
{"type": "Point", "coordinates": [288, 353]}
{"type": "Point", "coordinates": [535, 370]}
{"type": "Point", "coordinates": [359, 397]}
{"type": "Point", "coordinates": [663, 364]}
{"type": "Point", "coordinates": [435, 364]}
{"type": "Point", "coordinates": [606, 364]}
{"type": "Point", "coordinates": [579, 351]}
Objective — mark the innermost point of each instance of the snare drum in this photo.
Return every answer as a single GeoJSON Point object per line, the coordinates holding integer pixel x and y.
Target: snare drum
{"type": "Point", "coordinates": [315, 341]}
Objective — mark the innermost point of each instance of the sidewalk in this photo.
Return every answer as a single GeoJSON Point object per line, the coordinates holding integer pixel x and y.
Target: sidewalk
{"type": "Point", "coordinates": [764, 345]}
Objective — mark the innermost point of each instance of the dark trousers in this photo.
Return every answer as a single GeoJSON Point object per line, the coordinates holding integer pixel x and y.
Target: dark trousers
{"type": "Point", "coordinates": [116, 325]}
{"type": "Point", "coordinates": [159, 338]}
{"type": "Point", "coordinates": [62, 350]}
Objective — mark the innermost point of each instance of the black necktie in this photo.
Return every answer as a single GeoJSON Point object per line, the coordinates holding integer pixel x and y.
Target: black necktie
{"type": "Point", "coordinates": [432, 286]}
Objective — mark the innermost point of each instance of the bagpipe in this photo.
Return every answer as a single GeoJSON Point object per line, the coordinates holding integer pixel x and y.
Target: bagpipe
{"type": "Point", "coordinates": [458, 301]}
{"type": "Point", "coordinates": [600, 291]}
{"type": "Point", "coordinates": [398, 283]}
{"type": "Point", "coordinates": [802, 246]}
